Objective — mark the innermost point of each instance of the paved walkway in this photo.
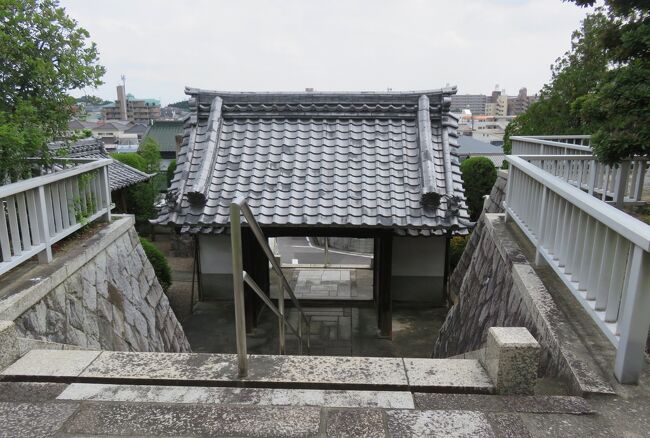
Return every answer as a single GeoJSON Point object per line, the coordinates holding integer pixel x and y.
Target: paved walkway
{"type": "Point", "coordinates": [328, 284]}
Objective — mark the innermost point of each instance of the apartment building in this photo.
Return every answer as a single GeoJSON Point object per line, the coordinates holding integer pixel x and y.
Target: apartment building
{"type": "Point", "coordinates": [129, 108]}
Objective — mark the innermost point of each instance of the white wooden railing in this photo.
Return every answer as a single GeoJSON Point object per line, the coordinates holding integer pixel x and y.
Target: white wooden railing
{"type": "Point", "coordinates": [600, 253]}
{"type": "Point", "coordinates": [551, 145]}
{"type": "Point", "coordinates": [618, 185]}
{"type": "Point", "coordinates": [40, 211]}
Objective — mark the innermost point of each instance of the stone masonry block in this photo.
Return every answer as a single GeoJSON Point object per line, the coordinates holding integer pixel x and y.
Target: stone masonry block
{"type": "Point", "coordinates": [9, 347]}
{"type": "Point", "coordinates": [511, 359]}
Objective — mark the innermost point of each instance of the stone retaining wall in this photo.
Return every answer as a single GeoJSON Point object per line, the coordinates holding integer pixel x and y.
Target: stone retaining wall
{"type": "Point", "coordinates": [494, 285]}
{"type": "Point", "coordinates": [106, 297]}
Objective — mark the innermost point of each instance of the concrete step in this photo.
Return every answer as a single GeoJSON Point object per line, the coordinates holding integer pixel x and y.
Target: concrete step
{"type": "Point", "coordinates": [295, 372]}
{"type": "Point", "coordinates": [237, 396]}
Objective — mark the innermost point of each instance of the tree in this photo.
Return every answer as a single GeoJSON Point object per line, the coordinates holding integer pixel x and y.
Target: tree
{"type": "Point", "coordinates": [600, 87]}
{"type": "Point", "coordinates": [43, 55]}
{"type": "Point", "coordinates": [132, 159]}
{"type": "Point", "coordinates": [618, 108]}
{"type": "Point", "coordinates": [171, 169]}
{"type": "Point", "coordinates": [479, 175]}
{"type": "Point", "coordinates": [572, 76]}
{"type": "Point", "coordinates": [149, 150]}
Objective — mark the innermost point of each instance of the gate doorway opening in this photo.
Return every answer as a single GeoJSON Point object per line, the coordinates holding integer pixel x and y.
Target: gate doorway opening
{"type": "Point", "coordinates": [326, 268]}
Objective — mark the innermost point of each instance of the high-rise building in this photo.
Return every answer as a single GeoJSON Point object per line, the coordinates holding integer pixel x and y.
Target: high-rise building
{"type": "Point", "coordinates": [128, 107]}
{"type": "Point", "coordinates": [475, 103]}
{"type": "Point", "coordinates": [520, 103]}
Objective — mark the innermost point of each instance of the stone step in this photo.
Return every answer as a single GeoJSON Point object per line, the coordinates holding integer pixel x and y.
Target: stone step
{"type": "Point", "coordinates": [237, 396]}
{"type": "Point", "coordinates": [299, 372]}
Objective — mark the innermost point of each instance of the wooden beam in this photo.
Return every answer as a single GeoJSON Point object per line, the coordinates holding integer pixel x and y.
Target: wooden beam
{"type": "Point", "coordinates": [384, 275]}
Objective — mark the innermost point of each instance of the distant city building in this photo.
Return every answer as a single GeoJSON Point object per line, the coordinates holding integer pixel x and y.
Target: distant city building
{"type": "Point", "coordinates": [475, 103]}
{"type": "Point", "coordinates": [173, 113]}
{"type": "Point", "coordinates": [497, 104]}
{"type": "Point", "coordinates": [520, 103]}
{"type": "Point", "coordinates": [129, 108]}
{"type": "Point", "coordinates": [471, 147]}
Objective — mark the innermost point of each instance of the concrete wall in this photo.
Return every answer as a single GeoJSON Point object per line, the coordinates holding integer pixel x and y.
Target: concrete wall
{"type": "Point", "coordinates": [102, 295]}
{"type": "Point", "coordinates": [216, 267]}
{"type": "Point", "coordinates": [418, 269]}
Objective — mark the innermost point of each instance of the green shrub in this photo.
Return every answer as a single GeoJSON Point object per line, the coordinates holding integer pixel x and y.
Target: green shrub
{"type": "Point", "coordinates": [479, 175]}
{"type": "Point", "coordinates": [159, 263]}
{"type": "Point", "coordinates": [132, 159]}
{"type": "Point", "coordinates": [170, 172]}
{"type": "Point", "coordinates": [456, 248]}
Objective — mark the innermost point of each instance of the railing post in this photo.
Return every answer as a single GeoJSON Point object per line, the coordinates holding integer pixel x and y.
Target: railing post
{"type": "Point", "coordinates": [281, 327]}
{"type": "Point", "coordinates": [238, 288]}
{"type": "Point", "coordinates": [542, 222]}
{"type": "Point", "coordinates": [107, 192]}
{"type": "Point", "coordinates": [511, 172]}
{"type": "Point", "coordinates": [635, 320]}
{"type": "Point", "coordinates": [44, 256]}
{"type": "Point", "coordinates": [620, 183]}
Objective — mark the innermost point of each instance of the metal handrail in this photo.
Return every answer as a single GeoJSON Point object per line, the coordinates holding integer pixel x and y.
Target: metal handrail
{"type": "Point", "coordinates": [238, 207]}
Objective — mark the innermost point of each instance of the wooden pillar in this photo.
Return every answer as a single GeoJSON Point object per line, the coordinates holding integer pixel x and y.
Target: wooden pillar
{"type": "Point", "coordinates": [383, 276]}
{"type": "Point", "coordinates": [256, 265]}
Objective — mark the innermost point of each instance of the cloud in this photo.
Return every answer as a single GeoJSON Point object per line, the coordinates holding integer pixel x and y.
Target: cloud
{"type": "Point", "coordinates": [162, 46]}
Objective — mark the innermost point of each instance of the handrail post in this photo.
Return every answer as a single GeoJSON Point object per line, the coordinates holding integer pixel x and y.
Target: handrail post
{"type": "Point", "coordinates": [620, 183]}
{"type": "Point", "coordinates": [44, 256]}
{"type": "Point", "coordinates": [281, 327]}
{"type": "Point", "coordinates": [542, 225]}
{"type": "Point", "coordinates": [634, 320]}
{"type": "Point", "coordinates": [238, 288]}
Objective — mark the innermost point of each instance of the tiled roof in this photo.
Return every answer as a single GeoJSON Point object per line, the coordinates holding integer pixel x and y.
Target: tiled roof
{"type": "Point", "coordinates": [373, 160]}
{"type": "Point", "coordinates": [165, 132]}
{"type": "Point", "coordinates": [120, 175]}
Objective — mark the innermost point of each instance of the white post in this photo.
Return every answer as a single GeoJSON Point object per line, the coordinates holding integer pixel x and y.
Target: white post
{"type": "Point", "coordinates": [44, 227]}
{"type": "Point", "coordinates": [238, 288]}
{"type": "Point", "coordinates": [540, 236]}
{"type": "Point", "coordinates": [107, 192]}
{"type": "Point", "coordinates": [634, 320]}
{"type": "Point", "coordinates": [620, 183]}
{"type": "Point", "coordinates": [508, 191]}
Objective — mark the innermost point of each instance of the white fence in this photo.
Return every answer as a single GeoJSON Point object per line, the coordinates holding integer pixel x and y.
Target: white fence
{"type": "Point", "coordinates": [40, 211]}
{"type": "Point", "coordinates": [599, 252]}
{"type": "Point", "coordinates": [551, 145]}
{"type": "Point", "coordinates": [621, 184]}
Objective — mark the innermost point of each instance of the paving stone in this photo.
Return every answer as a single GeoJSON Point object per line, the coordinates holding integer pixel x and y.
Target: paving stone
{"type": "Point", "coordinates": [507, 426]}
{"type": "Point", "coordinates": [351, 372]}
{"type": "Point", "coordinates": [262, 396]}
{"type": "Point", "coordinates": [553, 425]}
{"type": "Point", "coordinates": [548, 404]}
{"type": "Point", "coordinates": [163, 366]}
{"type": "Point", "coordinates": [9, 346]}
{"type": "Point", "coordinates": [461, 374]}
{"type": "Point", "coordinates": [33, 419]}
{"type": "Point", "coordinates": [19, 392]}
{"type": "Point", "coordinates": [463, 402]}
{"type": "Point", "coordinates": [57, 363]}
{"type": "Point", "coordinates": [362, 423]}
{"type": "Point", "coordinates": [127, 419]}
{"type": "Point", "coordinates": [447, 424]}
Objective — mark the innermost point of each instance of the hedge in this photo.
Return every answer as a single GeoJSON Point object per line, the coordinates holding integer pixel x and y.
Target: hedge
{"type": "Point", "coordinates": [159, 263]}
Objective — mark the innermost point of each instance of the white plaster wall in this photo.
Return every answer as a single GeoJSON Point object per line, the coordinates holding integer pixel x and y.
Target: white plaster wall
{"type": "Point", "coordinates": [419, 256]}
{"type": "Point", "coordinates": [215, 254]}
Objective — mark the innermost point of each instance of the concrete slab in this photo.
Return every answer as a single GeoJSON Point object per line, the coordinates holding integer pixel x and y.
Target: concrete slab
{"type": "Point", "coordinates": [246, 396]}
{"type": "Point", "coordinates": [535, 404]}
{"type": "Point", "coordinates": [19, 392]}
{"type": "Point", "coordinates": [448, 424]}
{"type": "Point", "coordinates": [329, 371]}
{"type": "Point", "coordinates": [362, 423]}
{"type": "Point", "coordinates": [163, 366]}
{"type": "Point", "coordinates": [461, 375]}
{"type": "Point", "coordinates": [132, 419]}
{"type": "Point", "coordinates": [33, 419]}
{"type": "Point", "coordinates": [54, 363]}
{"type": "Point", "coordinates": [507, 425]}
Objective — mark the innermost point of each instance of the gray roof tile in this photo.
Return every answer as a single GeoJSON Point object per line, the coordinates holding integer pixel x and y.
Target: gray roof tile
{"type": "Point", "coordinates": [120, 175]}
{"type": "Point", "coordinates": [329, 159]}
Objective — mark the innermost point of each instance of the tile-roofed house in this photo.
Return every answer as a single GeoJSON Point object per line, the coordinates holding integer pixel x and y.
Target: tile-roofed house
{"type": "Point", "coordinates": [379, 160]}
{"type": "Point", "coordinates": [471, 147]}
{"type": "Point", "coordinates": [120, 175]}
{"type": "Point", "coordinates": [367, 164]}
{"type": "Point", "coordinates": [165, 133]}
{"type": "Point", "coordinates": [138, 129]}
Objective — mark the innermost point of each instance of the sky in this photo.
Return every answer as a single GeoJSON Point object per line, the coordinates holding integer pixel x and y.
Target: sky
{"type": "Point", "coordinates": [162, 46]}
